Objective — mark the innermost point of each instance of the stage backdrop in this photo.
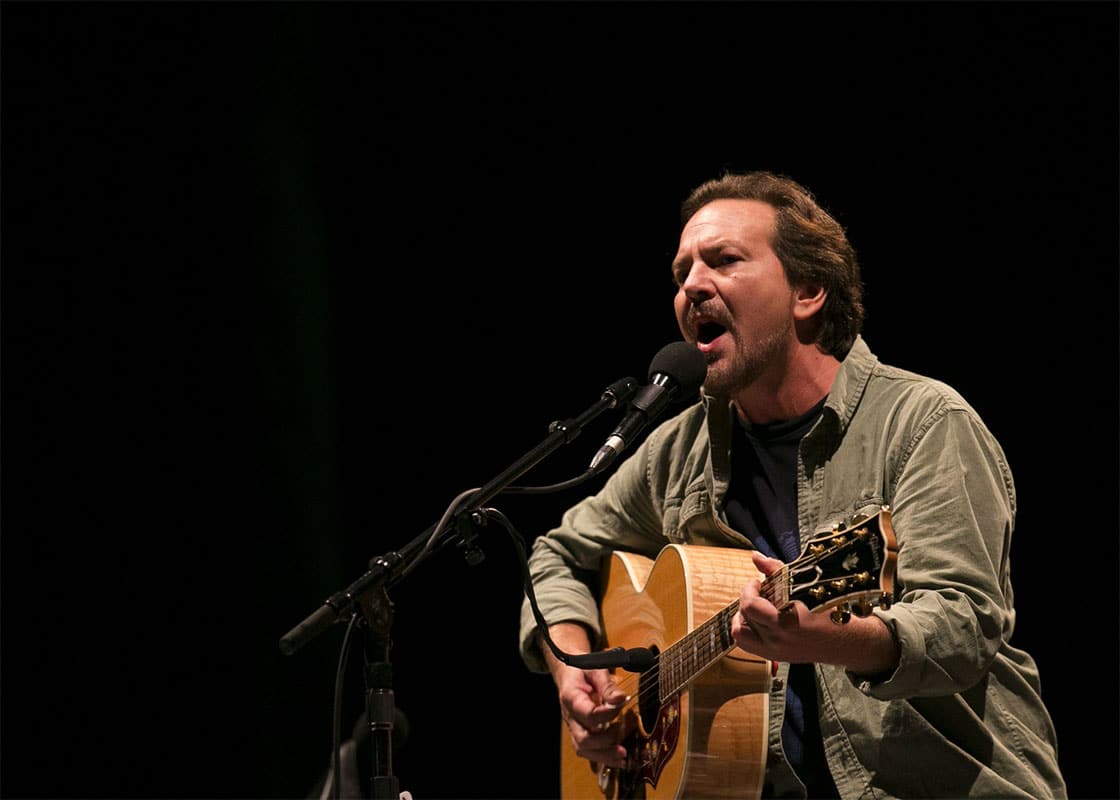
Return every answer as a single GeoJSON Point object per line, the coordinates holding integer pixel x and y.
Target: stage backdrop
{"type": "Point", "coordinates": [283, 279]}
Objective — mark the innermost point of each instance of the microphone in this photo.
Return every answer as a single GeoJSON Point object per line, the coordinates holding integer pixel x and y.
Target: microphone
{"type": "Point", "coordinates": [676, 372]}
{"type": "Point", "coordinates": [636, 659]}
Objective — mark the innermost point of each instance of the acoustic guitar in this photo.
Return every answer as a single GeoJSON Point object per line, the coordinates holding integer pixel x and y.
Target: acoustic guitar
{"type": "Point", "coordinates": [695, 725]}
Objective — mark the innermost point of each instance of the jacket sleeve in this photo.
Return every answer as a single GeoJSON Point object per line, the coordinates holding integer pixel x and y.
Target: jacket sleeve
{"type": "Point", "coordinates": [565, 564]}
{"type": "Point", "coordinates": [953, 510]}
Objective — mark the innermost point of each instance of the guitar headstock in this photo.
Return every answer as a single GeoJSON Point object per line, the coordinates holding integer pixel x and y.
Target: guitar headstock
{"type": "Point", "coordinates": [849, 570]}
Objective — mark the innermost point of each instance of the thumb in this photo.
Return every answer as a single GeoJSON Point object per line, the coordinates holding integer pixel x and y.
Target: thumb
{"type": "Point", "coordinates": [606, 688]}
{"type": "Point", "coordinates": [766, 565]}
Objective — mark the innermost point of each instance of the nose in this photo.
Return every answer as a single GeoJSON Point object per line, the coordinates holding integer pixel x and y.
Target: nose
{"type": "Point", "coordinates": [697, 285]}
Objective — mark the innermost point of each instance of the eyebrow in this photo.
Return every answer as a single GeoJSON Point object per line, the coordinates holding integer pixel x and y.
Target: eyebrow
{"type": "Point", "coordinates": [708, 247]}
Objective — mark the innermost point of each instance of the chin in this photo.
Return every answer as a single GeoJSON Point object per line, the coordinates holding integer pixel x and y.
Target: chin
{"type": "Point", "coordinates": [718, 381]}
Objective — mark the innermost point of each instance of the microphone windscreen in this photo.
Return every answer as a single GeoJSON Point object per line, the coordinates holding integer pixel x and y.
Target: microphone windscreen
{"type": "Point", "coordinates": [683, 363]}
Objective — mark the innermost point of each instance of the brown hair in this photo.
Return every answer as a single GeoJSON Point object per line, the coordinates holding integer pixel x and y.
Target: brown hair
{"type": "Point", "coordinates": [810, 244]}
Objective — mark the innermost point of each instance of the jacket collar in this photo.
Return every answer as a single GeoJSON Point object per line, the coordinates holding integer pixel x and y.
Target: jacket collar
{"type": "Point", "coordinates": [843, 399]}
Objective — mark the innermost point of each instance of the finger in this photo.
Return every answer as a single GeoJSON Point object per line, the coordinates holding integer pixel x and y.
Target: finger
{"type": "Point", "coordinates": [601, 747]}
{"type": "Point", "coordinates": [606, 687]}
{"type": "Point", "coordinates": [745, 626]}
{"type": "Point", "coordinates": [751, 589]}
{"type": "Point", "coordinates": [578, 699]}
{"type": "Point", "coordinates": [757, 611]}
{"type": "Point", "coordinates": [606, 713]}
{"type": "Point", "coordinates": [591, 718]}
{"type": "Point", "coordinates": [765, 564]}
{"type": "Point", "coordinates": [592, 735]}
{"type": "Point", "coordinates": [613, 756]}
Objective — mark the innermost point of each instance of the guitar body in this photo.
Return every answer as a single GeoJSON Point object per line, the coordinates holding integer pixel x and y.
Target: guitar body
{"type": "Point", "coordinates": [706, 740]}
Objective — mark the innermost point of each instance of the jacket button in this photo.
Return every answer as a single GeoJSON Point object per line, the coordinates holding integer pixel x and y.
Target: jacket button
{"type": "Point", "coordinates": [777, 685]}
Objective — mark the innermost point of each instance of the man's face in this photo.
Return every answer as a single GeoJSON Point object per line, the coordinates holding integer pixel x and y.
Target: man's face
{"type": "Point", "coordinates": [733, 299]}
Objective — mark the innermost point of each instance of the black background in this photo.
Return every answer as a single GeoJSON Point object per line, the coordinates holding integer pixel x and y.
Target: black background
{"type": "Point", "coordinates": [281, 280]}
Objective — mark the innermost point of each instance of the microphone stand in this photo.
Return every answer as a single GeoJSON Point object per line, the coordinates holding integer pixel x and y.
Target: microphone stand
{"type": "Point", "coordinates": [380, 707]}
{"type": "Point", "coordinates": [369, 591]}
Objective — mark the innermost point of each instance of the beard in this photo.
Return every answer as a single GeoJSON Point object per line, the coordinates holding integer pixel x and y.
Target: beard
{"type": "Point", "coordinates": [748, 362]}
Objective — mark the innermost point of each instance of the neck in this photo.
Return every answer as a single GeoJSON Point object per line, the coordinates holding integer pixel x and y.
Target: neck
{"type": "Point", "coordinates": [789, 388]}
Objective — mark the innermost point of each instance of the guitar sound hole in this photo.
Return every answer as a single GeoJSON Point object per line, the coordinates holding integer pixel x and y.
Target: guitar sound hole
{"type": "Point", "coordinates": [651, 740]}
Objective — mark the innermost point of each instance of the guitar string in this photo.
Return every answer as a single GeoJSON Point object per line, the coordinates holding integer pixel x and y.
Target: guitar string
{"type": "Point", "coordinates": [682, 666]}
{"type": "Point", "coordinates": [678, 653]}
{"type": "Point", "coordinates": [773, 587]}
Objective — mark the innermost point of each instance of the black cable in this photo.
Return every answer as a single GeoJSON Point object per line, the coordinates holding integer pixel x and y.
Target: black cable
{"type": "Point", "coordinates": [336, 735]}
{"type": "Point", "coordinates": [519, 543]}
{"type": "Point", "coordinates": [555, 487]}
{"type": "Point", "coordinates": [437, 532]}
{"type": "Point", "coordinates": [635, 659]}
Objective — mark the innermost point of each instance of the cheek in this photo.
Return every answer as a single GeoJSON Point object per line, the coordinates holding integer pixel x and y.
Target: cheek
{"type": "Point", "coordinates": [680, 308]}
{"type": "Point", "coordinates": [681, 301]}
{"type": "Point", "coordinates": [761, 303]}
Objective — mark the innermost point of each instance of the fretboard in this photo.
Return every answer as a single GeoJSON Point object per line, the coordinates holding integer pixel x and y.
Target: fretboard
{"type": "Point", "coordinates": [683, 661]}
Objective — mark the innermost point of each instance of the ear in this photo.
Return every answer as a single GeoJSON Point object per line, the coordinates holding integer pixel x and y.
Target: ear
{"type": "Point", "coordinates": [807, 301]}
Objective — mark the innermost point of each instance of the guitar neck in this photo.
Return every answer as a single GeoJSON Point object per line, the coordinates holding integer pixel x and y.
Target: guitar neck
{"type": "Point", "coordinates": [850, 570]}
{"type": "Point", "coordinates": [682, 662]}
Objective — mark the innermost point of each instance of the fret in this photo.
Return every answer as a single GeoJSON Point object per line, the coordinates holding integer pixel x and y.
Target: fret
{"type": "Point", "coordinates": [680, 663]}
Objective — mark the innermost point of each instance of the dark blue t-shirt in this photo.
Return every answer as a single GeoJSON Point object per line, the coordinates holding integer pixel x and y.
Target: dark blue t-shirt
{"type": "Point", "coordinates": [762, 505]}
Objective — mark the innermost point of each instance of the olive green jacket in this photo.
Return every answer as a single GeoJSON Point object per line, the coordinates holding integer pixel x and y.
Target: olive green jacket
{"type": "Point", "coordinates": [962, 715]}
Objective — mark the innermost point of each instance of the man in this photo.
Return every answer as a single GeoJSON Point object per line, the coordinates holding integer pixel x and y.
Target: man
{"type": "Point", "coordinates": [799, 430]}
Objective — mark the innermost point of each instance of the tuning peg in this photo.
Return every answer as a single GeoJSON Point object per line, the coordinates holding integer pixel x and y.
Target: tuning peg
{"type": "Point", "coordinates": [841, 614]}
{"type": "Point", "coordinates": [862, 607]}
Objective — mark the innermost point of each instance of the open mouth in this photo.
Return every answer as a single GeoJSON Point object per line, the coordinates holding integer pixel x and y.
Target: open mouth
{"type": "Point", "coordinates": [708, 332]}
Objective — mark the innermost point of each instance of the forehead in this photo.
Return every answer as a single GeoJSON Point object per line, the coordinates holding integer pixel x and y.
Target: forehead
{"type": "Point", "coordinates": [728, 217]}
